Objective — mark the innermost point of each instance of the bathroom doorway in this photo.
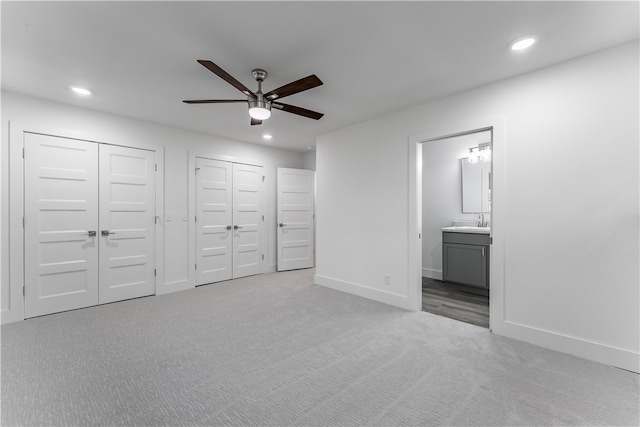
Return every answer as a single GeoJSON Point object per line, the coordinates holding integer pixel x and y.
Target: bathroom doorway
{"type": "Point", "coordinates": [456, 226]}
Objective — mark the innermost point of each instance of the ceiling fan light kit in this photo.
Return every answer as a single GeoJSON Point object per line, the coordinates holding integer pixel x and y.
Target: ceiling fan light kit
{"type": "Point", "coordinates": [259, 110]}
{"type": "Point", "coordinates": [260, 104]}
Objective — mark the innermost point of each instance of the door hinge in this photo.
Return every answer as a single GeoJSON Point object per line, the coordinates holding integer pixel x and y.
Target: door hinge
{"type": "Point", "coordinates": [262, 218]}
{"type": "Point", "coordinates": [196, 218]}
{"type": "Point", "coordinates": [155, 272]}
{"type": "Point", "coordinates": [156, 167]}
{"type": "Point", "coordinates": [196, 266]}
{"type": "Point", "coordinates": [196, 170]}
{"type": "Point", "coordinates": [23, 153]}
{"type": "Point", "coordinates": [263, 178]}
{"type": "Point", "coordinates": [491, 240]}
{"type": "Point", "coordinates": [22, 222]}
{"type": "Point", "coordinates": [263, 257]}
{"type": "Point", "coordinates": [23, 291]}
{"type": "Point", "coordinates": [155, 219]}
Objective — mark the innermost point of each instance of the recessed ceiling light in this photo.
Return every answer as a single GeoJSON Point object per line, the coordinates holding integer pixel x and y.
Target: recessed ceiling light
{"type": "Point", "coordinates": [81, 91]}
{"type": "Point", "coordinates": [522, 43]}
{"type": "Point", "coordinates": [267, 136]}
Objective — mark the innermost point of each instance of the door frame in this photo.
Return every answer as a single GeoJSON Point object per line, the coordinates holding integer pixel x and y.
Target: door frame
{"type": "Point", "coordinates": [498, 209]}
{"type": "Point", "coordinates": [15, 247]}
{"type": "Point", "coordinates": [313, 216]}
{"type": "Point", "coordinates": [191, 208]}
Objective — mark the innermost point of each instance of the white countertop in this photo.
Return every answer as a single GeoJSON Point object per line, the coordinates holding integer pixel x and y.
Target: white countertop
{"type": "Point", "coordinates": [467, 229]}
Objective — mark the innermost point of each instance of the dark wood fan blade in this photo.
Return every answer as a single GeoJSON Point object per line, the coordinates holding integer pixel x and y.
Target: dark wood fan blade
{"type": "Point", "coordinates": [226, 77]}
{"type": "Point", "coordinates": [297, 110]}
{"type": "Point", "coordinates": [255, 122]}
{"type": "Point", "coordinates": [213, 101]}
{"type": "Point", "coordinates": [303, 84]}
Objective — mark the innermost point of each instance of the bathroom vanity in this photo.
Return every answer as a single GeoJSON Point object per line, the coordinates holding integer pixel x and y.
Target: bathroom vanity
{"type": "Point", "coordinates": [465, 257]}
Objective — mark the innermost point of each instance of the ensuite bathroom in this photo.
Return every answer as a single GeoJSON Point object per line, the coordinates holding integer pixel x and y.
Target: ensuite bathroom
{"type": "Point", "coordinates": [456, 226]}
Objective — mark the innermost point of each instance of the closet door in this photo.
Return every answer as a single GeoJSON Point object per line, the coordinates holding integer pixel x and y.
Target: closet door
{"type": "Point", "coordinates": [295, 194]}
{"type": "Point", "coordinates": [214, 220]}
{"type": "Point", "coordinates": [247, 220]}
{"type": "Point", "coordinates": [61, 219]}
{"type": "Point", "coordinates": [127, 223]}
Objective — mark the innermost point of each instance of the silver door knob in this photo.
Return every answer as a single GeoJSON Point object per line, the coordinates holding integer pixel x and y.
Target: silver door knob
{"type": "Point", "coordinates": [281, 224]}
{"type": "Point", "coordinates": [91, 233]}
{"type": "Point", "coordinates": [235, 227]}
{"type": "Point", "coordinates": [228, 227]}
{"type": "Point", "coordinates": [106, 232]}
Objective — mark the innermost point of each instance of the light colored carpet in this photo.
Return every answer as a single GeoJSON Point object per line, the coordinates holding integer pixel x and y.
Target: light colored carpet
{"type": "Point", "coordinates": [277, 350]}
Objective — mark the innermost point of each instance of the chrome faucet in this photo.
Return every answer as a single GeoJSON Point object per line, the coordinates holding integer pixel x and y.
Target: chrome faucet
{"type": "Point", "coordinates": [481, 221]}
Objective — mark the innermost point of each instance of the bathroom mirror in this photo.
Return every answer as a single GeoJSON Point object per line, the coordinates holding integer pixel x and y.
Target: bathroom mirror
{"type": "Point", "coordinates": [476, 185]}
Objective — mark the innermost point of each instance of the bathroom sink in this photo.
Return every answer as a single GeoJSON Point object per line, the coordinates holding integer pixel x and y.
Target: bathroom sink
{"type": "Point", "coordinates": [467, 229]}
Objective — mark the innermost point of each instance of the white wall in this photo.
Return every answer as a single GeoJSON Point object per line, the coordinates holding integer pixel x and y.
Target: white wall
{"type": "Point", "coordinates": [176, 142]}
{"type": "Point", "coordinates": [442, 194]}
{"type": "Point", "coordinates": [310, 160]}
{"type": "Point", "coordinates": [569, 209]}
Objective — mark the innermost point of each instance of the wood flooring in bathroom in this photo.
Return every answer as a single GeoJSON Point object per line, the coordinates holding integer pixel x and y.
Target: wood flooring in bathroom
{"type": "Point", "coordinates": [439, 299]}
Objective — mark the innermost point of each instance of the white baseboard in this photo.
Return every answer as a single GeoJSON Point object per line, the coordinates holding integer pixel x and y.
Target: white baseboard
{"type": "Point", "coordinates": [390, 298]}
{"type": "Point", "coordinates": [11, 316]}
{"type": "Point", "coordinates": [177, 286]}
{"type": "Point", "coordinates": [594, 351]}
{"type": "Point", "coordinates": [432, 274]}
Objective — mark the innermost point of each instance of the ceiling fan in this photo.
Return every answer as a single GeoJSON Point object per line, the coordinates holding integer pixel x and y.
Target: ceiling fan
{"type": "Point", "coordinates": [260, 104]}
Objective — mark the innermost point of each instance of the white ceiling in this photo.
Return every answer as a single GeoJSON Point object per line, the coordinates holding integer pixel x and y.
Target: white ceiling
{"type": "Point", "coordinates": [375, 58]}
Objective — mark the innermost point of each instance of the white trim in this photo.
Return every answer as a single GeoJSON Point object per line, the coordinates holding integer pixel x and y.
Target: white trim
{"type": "Point", "coordinates": [432, 273]}
{"type": "Point", "coordinates": [175, 286]}
{"type": "Point", "coordinates": [498, 223]}
{"type": "Point", "coordinates": [15, 254]}
{"type": "Point", "coordinates": [159, 256]}
{"type": "Point", "coordinates": [414, 232]}
{"type": "Point", "coordinates": [271, 268]}
{"type": "Point", "coordinates": [598, 352]}
{"type": "Point", "coordinates": [390, 298]}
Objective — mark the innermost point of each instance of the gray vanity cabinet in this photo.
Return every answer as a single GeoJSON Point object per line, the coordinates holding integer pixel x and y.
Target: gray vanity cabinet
{"type": "Point", "coordinates": [465, 259]}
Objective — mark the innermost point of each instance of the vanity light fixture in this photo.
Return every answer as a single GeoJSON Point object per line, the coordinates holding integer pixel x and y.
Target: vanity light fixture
{"type": "Point", "coordinates": [480, 153]}
{"type": "Point", "coordinates": [522, 43]}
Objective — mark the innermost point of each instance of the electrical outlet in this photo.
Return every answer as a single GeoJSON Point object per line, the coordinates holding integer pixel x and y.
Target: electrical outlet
{"type": "Point", "coordinates": [168, 217]}
{"type": "Point", "coordinates": [387, 279]}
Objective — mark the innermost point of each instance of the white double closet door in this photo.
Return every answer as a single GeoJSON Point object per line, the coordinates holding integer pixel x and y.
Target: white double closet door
{"type": "Point", "coordinates": [89, 232]}
{"type": "Point", "coordinates": [229, 220]}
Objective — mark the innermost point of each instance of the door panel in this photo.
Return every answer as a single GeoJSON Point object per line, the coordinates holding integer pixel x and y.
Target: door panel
{"type": "Point", "coordinates": [247, 220]}
{"type": "Point", "coordinates": [127, 216]}
{"type": "Point", "coordinates": [465, 264]}
{"type": "Point", "coordinates": [214, 213]}
{"type": "Point", "coordinates": [60, 190]}
{"type": "Point", "coordinates": [295, 218]}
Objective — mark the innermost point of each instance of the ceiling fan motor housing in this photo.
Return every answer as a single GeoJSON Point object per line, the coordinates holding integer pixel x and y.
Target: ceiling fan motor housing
{"type": "Point", "coordinates": [259, 102]}
{"type": "Point", "coordinates": [259, 74]}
